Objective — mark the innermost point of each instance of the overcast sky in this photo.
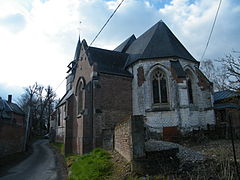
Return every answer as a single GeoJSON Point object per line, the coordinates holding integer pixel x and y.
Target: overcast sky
{"type": "Point", "coordinates": [38, 37]}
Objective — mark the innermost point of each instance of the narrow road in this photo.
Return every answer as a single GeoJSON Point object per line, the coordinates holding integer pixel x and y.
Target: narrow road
{"type": "Point", "coordinates": [40, 165]}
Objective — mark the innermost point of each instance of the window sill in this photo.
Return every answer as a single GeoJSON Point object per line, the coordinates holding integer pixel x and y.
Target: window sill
{"type": "Point", "coordinates": [193, 107]}
{"type": "Point", "coordinates": [157, 109]}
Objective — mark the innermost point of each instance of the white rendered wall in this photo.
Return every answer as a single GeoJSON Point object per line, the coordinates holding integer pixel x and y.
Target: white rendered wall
{"type": "Point", "coordinates": [181, 113]}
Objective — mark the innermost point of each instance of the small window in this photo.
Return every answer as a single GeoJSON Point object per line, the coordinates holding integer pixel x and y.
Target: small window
{"type": "Point", "coordinates": [190, 91]}
{"type": "Point", "coordinates": [192, 99]}
{"type": "Point", "coordinates": [58, 118]}
{"type": "Point", "coordinates": [80, 98]}
{"type": "Point", "coordinates": [159, 87]}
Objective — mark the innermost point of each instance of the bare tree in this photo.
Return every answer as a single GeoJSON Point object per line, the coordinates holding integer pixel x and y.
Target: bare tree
{"type": "Point", "coordinates": [224, 72]}
{"type": "Point", "coordinates": [216, 73]}
{"type": "Point", "coordinates": [26, 102]}
{"type": "Point", "coordinates": [38, 104]}
{"type": "Point", "coordinates": [46, 100]}
{"type": "Point", "coordinates": [231, 63]}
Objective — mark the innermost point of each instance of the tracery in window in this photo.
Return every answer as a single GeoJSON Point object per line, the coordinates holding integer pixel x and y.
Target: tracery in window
{"type": "Point", "coordinates": [159, 87]}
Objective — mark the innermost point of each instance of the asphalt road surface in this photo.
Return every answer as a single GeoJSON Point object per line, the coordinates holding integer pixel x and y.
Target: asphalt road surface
{"type": "Point", "coordinates": [40, 165]}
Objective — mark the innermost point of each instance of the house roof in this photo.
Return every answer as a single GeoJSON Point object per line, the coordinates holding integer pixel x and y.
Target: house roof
{"type": "Point", "coordinates": [107, 61]}
{"type": "Point", "coordinates": [220, 95]}
{"type": "Point", "coordinates": [7, 107]}
{"type": "Point", "coordinates": [226, 105]}
{"type": "Point", "coordinates": [157, 42]}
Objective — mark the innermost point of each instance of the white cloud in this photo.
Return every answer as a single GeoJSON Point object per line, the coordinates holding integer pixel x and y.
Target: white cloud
{"type": "Point", "coordinates": [41, 50]}
{"type": "Point", "coordinates": [192, 24]}
{"type": "Point", "coordinates": [15, 91]}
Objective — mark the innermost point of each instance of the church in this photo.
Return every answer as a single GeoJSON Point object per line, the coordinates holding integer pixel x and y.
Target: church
{"type": "Point", "coordinates": [152, 75]}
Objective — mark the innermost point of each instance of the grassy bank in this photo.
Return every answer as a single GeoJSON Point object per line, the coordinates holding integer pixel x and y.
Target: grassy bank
{"type": "Point", "coordinates": [100, 164]}
{"type": "Point", "coordinates": [93, 166]}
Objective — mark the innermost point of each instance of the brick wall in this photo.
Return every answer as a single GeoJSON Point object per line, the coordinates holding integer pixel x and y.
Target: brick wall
{"type": "Point", "coordinates": [112, 104]}
{"type": "Point", "coordinates": [68, 142]}
{"type": "Point", "coordinates": [129, 139]}
{"type": "Point", "coordinates": [122, 141]}
{"type": "Point", "coordinates": [60, 128]}
{"type": "Point", "coordinates": [11, 138]}
{"type": "Point", "coordinates": [81, 131]}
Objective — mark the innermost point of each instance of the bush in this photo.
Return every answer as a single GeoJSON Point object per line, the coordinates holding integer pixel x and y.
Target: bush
{"type": "Point", "coordinates": [93, 166]}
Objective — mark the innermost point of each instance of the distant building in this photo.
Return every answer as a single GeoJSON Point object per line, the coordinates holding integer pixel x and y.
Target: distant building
{"type": "Point", "coordinates": [12, 127]}
{"type": "Point", "coordinates": [152, 75]}
{"type": "Point", "coordinates": [11, 113]}
{"type": "Point", "coordinates": [227, 104]}
{"type": "Point", "coordinates": [61, 117]}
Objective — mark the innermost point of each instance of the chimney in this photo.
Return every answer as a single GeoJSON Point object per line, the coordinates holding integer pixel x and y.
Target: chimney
{"type": "Point", "coordinates": [9, 98]}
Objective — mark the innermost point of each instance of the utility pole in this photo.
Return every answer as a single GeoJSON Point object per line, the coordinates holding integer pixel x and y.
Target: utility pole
{"type": "Point", "coordinates": [27, 127]}
{"type": "Point", "coordinates": [233, 146]}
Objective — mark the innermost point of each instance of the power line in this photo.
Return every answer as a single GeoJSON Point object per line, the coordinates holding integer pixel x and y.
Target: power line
{"type": "Point", "coordinates": [107, 22]}
{"type": "Point", "coordinates": [60, 84]}
{"type": "Point", "coordinates": [98, 34]}
{"type": "Point", "coordinates": [220, 2]}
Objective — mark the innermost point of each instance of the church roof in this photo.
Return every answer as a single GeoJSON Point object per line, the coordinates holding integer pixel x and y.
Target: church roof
{"type": "Point", "coordinates": [157, 42]}
{"type": "Point", "coordinates": [107, 61]}
{"type": "Point", "coordinates": [64, 98]}
{"type": "Point", "coordinates": [125, 44]}
{"type": "Point", "coordinates": [72, 64]}
{"type": "Point", "coordinates": [178, 69]}
{"type": "Point", "coordinates": [77, 51]}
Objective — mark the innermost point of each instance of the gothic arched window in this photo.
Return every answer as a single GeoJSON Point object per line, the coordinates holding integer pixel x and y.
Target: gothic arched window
{"type": "Point", "coordinates": [80, 99]}
{"type": "Point", "coordinates": [80, 94]}
{"type": "Point", "coordinates": [190, 86]}
{"type": "Point", "coordinates": [159, 87]}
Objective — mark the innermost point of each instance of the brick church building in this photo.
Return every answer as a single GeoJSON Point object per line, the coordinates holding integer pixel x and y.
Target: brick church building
{"type": "Point", "coordinates": [152, 75]}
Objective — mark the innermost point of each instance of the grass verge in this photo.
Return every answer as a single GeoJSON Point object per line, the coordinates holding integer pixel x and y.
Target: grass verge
{"type": "Point", "coordinates": [58, 146]}
{"type": "Point", "coordinates": [96, 165]}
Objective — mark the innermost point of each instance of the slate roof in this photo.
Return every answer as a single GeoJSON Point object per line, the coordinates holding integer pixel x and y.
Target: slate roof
{"type": "Point", "coordinates": [72, 64]}
{"type": "Point", "coordinates": [107, 61]}
{"type": "Point", "coordinates": [64, 98]}
{"type": "Point", "coordinates": [178, 69]}
{"type": "Point", "coordinates": [77, 51]}
{"type": "Point", "coordinates": [125, 44]}
{"type": "Point", "coordinates": [226, 105]}
{"type": "Point", "coordinates": [220, 95]}
{"type": "Point", "coordinates": [157, 42]}
{"type": "Point", "coordinates": [6, 108]}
